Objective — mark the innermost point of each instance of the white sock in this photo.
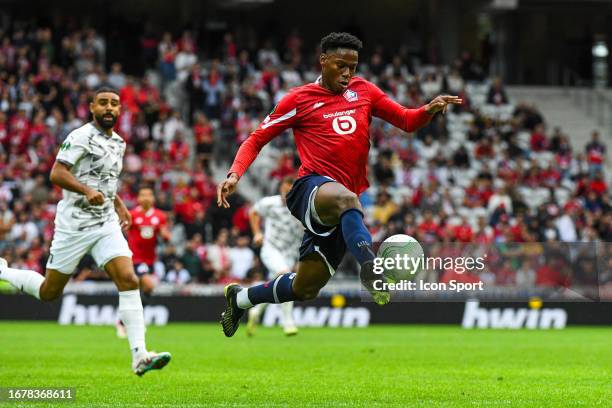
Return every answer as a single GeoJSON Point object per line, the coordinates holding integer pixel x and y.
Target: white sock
{"type": "Point", "coordinates": [256, 311]}
{"type": "Point", "coordinates": [131, 314]}
{"type": "Point", "coordinates": [24, 280]}
{"type": "Point", "coordinates": [287, 310]}
{"type": "Point", "coordinates": [242, 299]}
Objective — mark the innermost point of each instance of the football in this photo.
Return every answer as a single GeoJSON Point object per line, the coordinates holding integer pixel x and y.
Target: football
{"type": "Point", "coordinates": [400, 257]}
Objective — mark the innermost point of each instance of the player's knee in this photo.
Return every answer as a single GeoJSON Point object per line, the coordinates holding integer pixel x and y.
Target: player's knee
{"type": "Point", "coordinates": [48, 294]}
{"type": "Point", "coordinates": [345, 201]}
{"type": "Point", "coordinates": [146, 287]}
{"type": "Point", "coordinates": [306, 293]}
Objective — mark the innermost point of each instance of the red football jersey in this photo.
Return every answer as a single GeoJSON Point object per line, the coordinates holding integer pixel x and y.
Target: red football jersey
{"type": "Point", "coordinates": [331, 131]}
{"type": "Point", "coordinates": [142, 236]}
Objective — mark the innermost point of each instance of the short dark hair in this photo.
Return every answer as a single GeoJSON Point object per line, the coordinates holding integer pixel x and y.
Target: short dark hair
{"type": "Point", "coordinates": [146, 186]}
{"type": "Point", "coordinates": [104, 89]}
{"type": "Point", "coordinates": [334, 41]}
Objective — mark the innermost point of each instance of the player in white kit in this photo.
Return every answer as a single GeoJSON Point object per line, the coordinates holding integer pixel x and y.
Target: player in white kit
{"type": "Point", "coordinates": [89, 219]}
{"type": "Point", "coordinates": [281, 240]}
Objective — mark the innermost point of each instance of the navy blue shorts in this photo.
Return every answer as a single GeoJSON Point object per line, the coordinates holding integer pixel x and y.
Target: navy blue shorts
{"type": "Point", "coordinates": [143, 269]}
{"type": "Point", "coordinates": [325, 240]}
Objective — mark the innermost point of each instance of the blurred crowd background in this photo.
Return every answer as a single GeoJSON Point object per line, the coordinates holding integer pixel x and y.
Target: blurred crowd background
{"type": "Point", "coordinates": [489, 172]}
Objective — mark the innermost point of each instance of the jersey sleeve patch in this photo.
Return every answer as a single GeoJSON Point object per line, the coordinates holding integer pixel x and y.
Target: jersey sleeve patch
{"type": "Point", "coordinates": [72, 149]}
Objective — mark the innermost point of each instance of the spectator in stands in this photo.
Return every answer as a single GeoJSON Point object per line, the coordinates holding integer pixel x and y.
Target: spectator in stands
{"type": "Point", "coordinates": [384, 208]}
{"type": "Point", "coordinates": [497, 93]}
{"type": "Point", "coordinates": [192, 261]}
{"type": "Point", "coordinates": [595, 153]}
{"type": "Point", "coordinates": [213, 88]}
{"type": "Point", "coordinates": [219, 255]}
{"type": "Point", "coordinates": [184, 61]}
{"type": "Point", "coordinates": [178, 274]}
{"type": "Point", "coordinates": [241, 258]}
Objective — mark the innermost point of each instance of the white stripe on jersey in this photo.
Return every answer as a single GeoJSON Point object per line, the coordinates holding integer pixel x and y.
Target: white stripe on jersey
{"type": "Point", "coordinates": [286, 116]}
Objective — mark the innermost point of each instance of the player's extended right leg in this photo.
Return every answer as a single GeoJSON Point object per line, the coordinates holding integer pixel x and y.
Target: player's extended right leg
{"type": "Point", "coordinates": [45, 288]}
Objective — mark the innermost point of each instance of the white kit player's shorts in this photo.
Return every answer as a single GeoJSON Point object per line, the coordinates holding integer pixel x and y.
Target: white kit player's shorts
{"type": "Point", "coordinates": [103, 243]}
{"type": "Point", "coordinates": [275, 261]}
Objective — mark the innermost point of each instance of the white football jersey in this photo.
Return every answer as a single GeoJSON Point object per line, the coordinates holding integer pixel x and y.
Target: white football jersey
{"type": "Point", "coordinates": [281, 229]}
{"type": "Point", "coordinates": [96, 160]}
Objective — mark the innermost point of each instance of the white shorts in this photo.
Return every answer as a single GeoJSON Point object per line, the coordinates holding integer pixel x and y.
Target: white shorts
{"type": "Point", "coordinates": [275, 261]}
{"type": "Point", "coordinates": [104, 244]}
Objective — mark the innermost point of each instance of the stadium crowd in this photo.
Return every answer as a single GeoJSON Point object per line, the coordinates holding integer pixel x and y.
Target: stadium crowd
{"type": "Point", "coordinates": [490, 172]}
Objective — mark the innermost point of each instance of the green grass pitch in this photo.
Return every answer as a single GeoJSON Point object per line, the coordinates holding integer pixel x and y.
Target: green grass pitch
{"type": "Point", "coordinates": [381, 366]}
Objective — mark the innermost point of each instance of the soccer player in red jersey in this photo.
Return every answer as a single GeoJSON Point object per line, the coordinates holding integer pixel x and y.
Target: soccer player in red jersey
{"type": "Point", "coordinates": [148, 225]}
{"type": "Point", "coordinates": [330, 120]}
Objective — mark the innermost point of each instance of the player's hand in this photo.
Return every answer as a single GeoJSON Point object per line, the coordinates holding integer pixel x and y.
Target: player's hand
{"type": "Point", "coordinates": [94, 197]}
{"type": "Point", "coordinates": [441, 102]}
{"type": "Point", "coordinates": [225, 188]}
{"type": "Point", "coordinates": [125, 218]}
{"type": "Point", "coordinates": [258, 239]}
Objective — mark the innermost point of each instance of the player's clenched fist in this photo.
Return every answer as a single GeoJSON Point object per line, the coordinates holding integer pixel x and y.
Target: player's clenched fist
{"type": "Point", "coordinates": [441, 102]}
{"type": "Point", "coordinates": [225, 188]}
{"type": "Point", "coordinates": [258, 238]}
{"type": "Point", "coordinates": [94, 197]}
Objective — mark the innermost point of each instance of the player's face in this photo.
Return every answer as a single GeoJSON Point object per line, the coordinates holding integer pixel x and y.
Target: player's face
{"type": "Point", "coordinates": [337, 68]}
{"type": "Point", "coordinates": [146, 198]}
{"type": "Point", "coordinates": [105, 109]}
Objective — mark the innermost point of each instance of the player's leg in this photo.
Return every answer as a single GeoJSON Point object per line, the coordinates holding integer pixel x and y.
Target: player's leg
{"type": "Point", "coordinates": [53, 285]}
{"type": "Point", "coordinates": [65, 254]}
{"type": "Point", "coordinates": [334, 204]}
{"type": "Point", "coordinates": [45, 288]}
{"type": "Point", "coordinates": [121, 271]}
{"type": "Point", "coordinates": [289, 326]}
{"type": "Point", "coordinates": [276, 264]}
{"type": "Point", "coordinates": [254, 316]}
{"type": "Point", "coordinates": [25, 280]}
{"type": "Point", "coordinates": [312, 274]}
{"type": "Point", "coordinates": [112, 253]}
{"type": "Point", "coordinates": [147, 285]}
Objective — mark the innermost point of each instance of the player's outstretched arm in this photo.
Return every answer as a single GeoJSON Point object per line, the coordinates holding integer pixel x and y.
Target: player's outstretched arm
{"type": "Point", "coordinates": [440, 103]}
{"type": "Point", "coordinates": [61, 176]}
{"type": "Point", "coordinates": [282, 117]}
{"type": "Point", "coordinates": [225, 188]}
{"type": "Point", "coordinates": [404, 118]}
{"type": "Point", "coordinates": [255, 222]}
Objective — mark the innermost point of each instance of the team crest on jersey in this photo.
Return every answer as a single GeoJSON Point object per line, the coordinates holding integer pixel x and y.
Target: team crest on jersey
{"type": "Point", "coordinates": [350, 96]}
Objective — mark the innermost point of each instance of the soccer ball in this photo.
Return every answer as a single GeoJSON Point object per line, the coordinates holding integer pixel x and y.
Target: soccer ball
{"type": "Point", "coordinates": [400, 257]}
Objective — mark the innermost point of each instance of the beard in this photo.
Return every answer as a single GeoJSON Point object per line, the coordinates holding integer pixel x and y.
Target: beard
{"type": "Point", "coordinates": [106, 123]}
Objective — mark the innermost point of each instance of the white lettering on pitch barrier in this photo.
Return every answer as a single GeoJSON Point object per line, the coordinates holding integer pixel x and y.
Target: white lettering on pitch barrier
{"type": "Point", "coordinates": [73, 313]}
{"type": "Point", "coordinates": [312, 316]}
{"type": "Point", "coordinates": [475, 316]}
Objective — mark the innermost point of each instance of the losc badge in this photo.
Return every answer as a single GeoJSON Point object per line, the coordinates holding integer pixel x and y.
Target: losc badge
{"type": "Point", "coordinates": [350, 96]}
